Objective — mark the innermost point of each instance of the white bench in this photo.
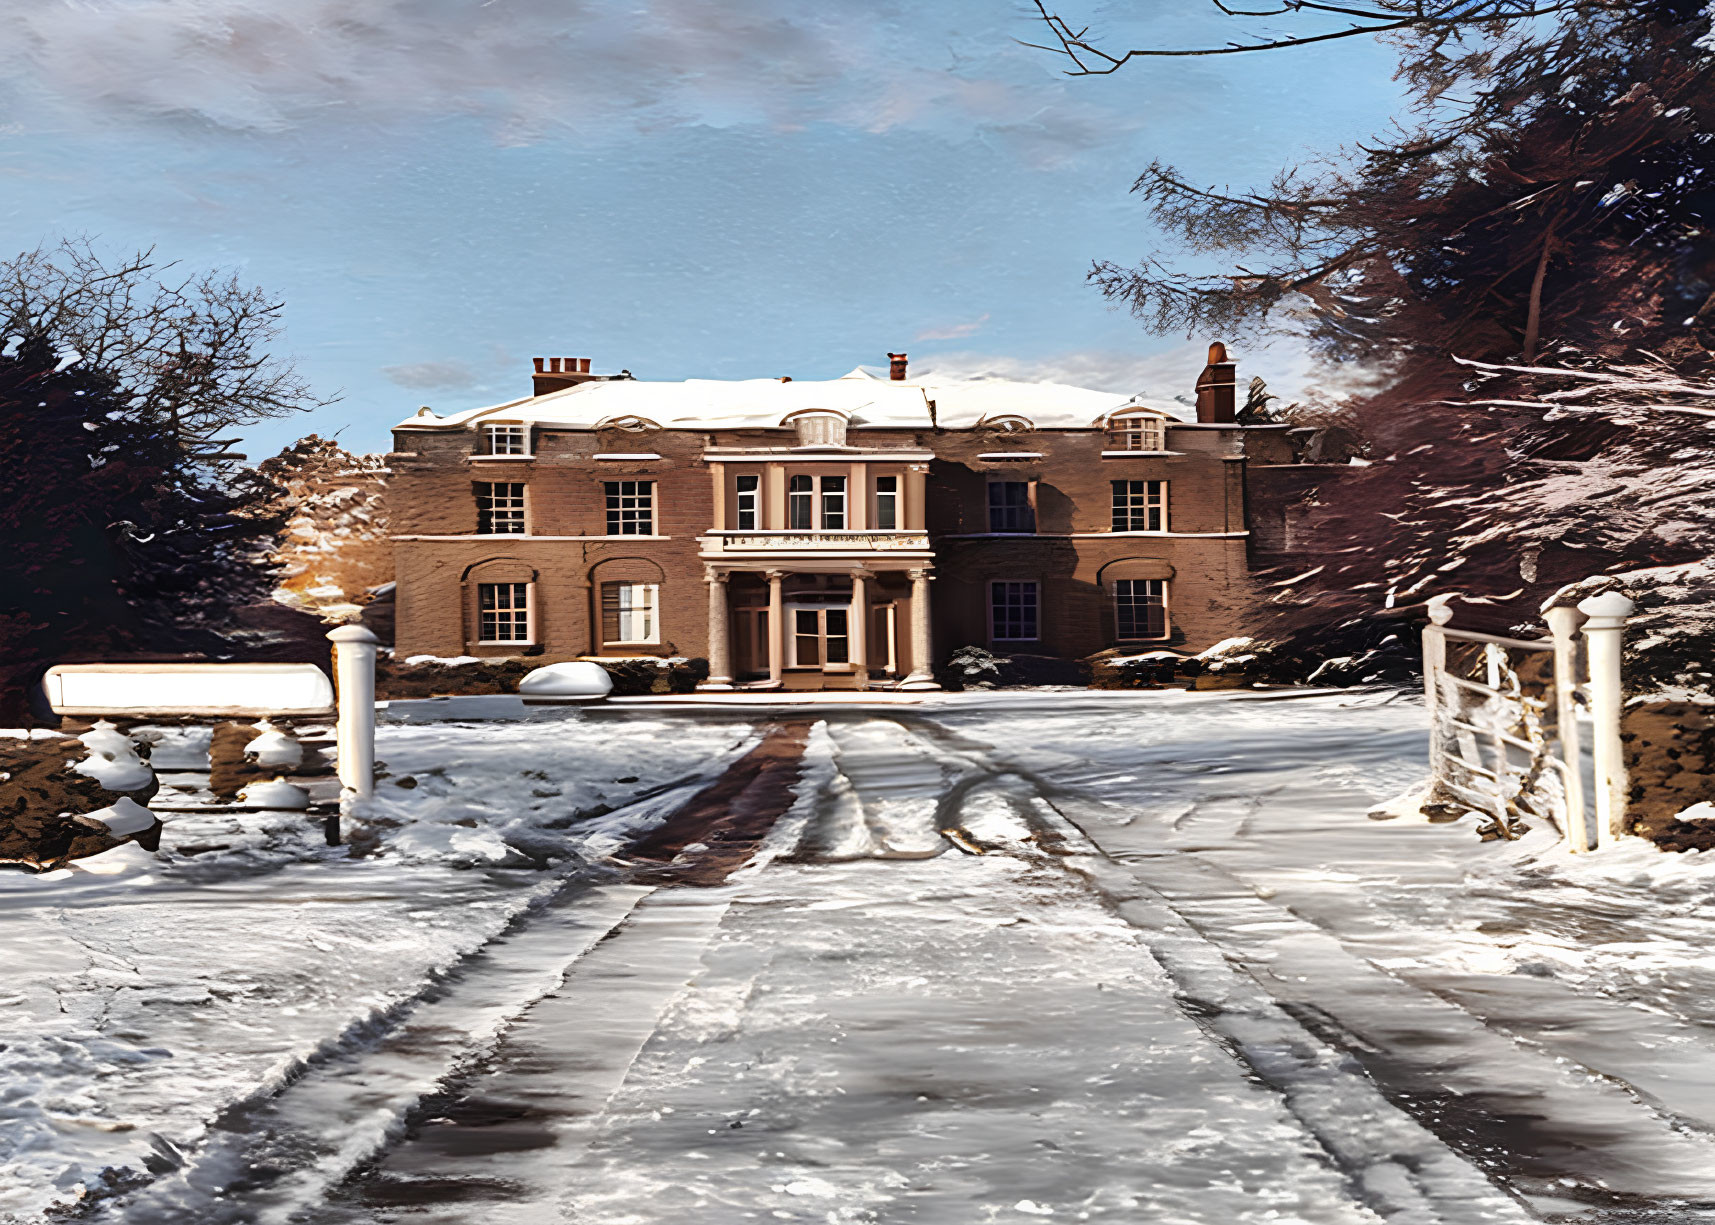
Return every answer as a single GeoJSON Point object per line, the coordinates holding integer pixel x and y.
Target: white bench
{"type": "Point", "coordinates": [138, 691]}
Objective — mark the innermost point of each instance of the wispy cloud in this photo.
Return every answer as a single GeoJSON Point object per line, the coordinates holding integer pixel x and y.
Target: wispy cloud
{"type": "Point", "coordinates": [537, 67]}
{"type": "Point", "coordinates": [432, 376]}
{"type": "Point", "coordinates": [1166, 376]}
{"type": "Point", "coordinates": [957, 331]}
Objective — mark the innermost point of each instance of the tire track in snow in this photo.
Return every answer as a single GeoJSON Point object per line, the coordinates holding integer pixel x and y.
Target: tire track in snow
{"type": "Point", "coordinates": [1394, 1166]}
{"type": "Point", "coordinates": [1560, 1139]}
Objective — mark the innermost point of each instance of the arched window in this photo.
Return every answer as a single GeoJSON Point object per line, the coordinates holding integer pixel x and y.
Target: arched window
{"type": "Point", "coordinates": [628, 605]}
{"type": "Point", "coordinates": [501, 604]}
{"type": "Point", "coordinates": [1139, 590]}
{"type": "Point", "coordinates": [1138, 431]}
{"type": "Point", "coordinates": [818, 427]}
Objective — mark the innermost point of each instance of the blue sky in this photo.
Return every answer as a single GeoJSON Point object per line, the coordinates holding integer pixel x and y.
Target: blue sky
{"type": "Point", "coordinates": [442, 189]}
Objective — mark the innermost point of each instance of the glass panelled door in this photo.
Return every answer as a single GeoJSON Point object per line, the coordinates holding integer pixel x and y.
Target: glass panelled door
{"type": "Point", "coordinates": [820, 637]}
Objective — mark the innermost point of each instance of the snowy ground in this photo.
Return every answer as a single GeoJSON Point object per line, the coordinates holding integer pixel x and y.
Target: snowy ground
{"type": "Point", "coordinates": [1187, 981]}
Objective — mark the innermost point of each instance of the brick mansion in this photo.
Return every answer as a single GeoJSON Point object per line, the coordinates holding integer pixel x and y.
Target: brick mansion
{"type": "Point", "coordinates": [844, 533]}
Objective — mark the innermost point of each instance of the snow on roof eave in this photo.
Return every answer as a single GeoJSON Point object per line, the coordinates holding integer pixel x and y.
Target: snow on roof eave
{"type": "Point", "coordinates": [459, 420]}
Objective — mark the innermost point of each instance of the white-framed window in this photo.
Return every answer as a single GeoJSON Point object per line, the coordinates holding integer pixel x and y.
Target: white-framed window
{"type": "Point", "coordinates": [503, 612]}
{"type": "Point", "coordinates": [629, 613]}
{"type": "Point", "coordinates": [630, 508]}
{"type": "Point", "coordinates": [819, 636]}
{"type": "Point", "coordinates": [833, 503]}
{"type": "Point", "coordinates": [1138, 434]}
{"type": "Point", "coordinates": [506, 440]}
{"type": "Point", "coordinates": [500, 508]}
{"type": "Point", "coordinates": [1013, 608]}
{"type": "Point", "coordinates": [887, 503]}
{"type": "Point", "coordinates": [1140, 608]}
{"type": "Point", "coordinates": [1140, 506]}
{"type": "Point", "coordinates": [801, 504]}
{"type": "Point", "coordinates": [749, 493]}
{"type": "Point", "coordinates": [1009, 507]}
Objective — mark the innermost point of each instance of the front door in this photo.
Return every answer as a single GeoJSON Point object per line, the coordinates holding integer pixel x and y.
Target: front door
{"type": "Point", "coordinates": [819, 639]}
{"type": "Point", "coordinates": [751, 648]}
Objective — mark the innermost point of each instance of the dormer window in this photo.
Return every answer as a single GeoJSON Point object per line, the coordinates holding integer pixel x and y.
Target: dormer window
{"type": "Point", "coordinates": [820, 428]}
{"type": "Point", "coordinates": [1137, 434]}
{"type": "Point", "coordinates": [505, 440]}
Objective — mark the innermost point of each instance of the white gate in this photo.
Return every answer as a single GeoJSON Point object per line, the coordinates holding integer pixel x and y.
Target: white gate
{"type": "Point", "coordinates": [1494, 745]}
{"type": "Point", "coordinates": [151, 690]}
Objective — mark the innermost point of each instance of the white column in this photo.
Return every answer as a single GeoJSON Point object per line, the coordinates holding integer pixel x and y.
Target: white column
{"type": "Point", "coordinates": [720, 649]}
{"type": "Point", "coordinates": [857, 497]}
{"type": "Point", "coordinates": [1434, 665]}
{"type": "Point", "coordinates": [354, 649]}
{"type": "Point", "coordinates": [857, 629]}
{"type": "Point", "coordinates": [1603, 632]}
{"type": "Point", "coordinates": [914, 514]}
{"type": "Point", "coordinates": [776, 626]}
{"type": "Point", "coordinates": [717, 474]}
{"type": "Point", "coordinates": [922, 644]}
{"type": "Point", "coordinates": [1563, 623]}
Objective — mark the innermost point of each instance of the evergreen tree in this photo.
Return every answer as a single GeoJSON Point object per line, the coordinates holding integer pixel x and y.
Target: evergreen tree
{"type": "Point", "coordinates": [1530, 264]}
{"type": "Point", "coordinates": [130, 528]}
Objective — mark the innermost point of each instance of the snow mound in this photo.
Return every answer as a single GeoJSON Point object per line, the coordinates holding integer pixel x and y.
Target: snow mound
{"type": "Point", "coordinates": [125, 817]}
{"type": "Point", "coordinates": [123, 858]}
{"type": "Point", "coordinates": [578, 679]}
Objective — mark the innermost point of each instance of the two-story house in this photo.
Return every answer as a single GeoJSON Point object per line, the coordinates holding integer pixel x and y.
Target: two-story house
{"type": "Point", "coordinates": [841, 533]}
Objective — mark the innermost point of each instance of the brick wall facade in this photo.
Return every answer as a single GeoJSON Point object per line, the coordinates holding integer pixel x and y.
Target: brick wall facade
{"type": "Point", "coordinates": [1073, 555]}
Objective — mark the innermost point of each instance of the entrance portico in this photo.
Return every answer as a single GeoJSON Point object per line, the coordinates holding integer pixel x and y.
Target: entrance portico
{"type": "Point", "coordinates": [816, 625]}
{"type": "Point", "coordinates": [818, 564]}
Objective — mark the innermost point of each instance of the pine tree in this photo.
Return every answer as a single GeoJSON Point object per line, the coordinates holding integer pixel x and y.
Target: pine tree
{"type": "Point", "coordinates": [130, 528]}
{"type": "Point", "coordinates": [1531, 266]}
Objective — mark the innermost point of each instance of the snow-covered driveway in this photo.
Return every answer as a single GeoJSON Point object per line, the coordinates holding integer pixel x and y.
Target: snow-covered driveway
{"type": "Point", "coordinates": [1185, 980]}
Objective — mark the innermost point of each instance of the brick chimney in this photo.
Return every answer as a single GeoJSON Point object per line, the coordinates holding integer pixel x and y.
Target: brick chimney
{"type": "Point", "coordinates": [558, 373]}
{"type": "Point", "coordinates": [1216, 388]}
{"type": "Point", "coordinates": [896, 367]}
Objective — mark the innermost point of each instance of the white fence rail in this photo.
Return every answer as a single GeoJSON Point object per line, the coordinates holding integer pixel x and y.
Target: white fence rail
{"type": "Point", "coordinates": [148, 691]}
{"type": "Point", "coordinates": [1493, 745]}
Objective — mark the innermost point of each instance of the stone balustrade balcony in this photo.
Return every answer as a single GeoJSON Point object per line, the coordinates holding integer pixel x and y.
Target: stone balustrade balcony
{"type": "Point", "coordinates": [853, 542]}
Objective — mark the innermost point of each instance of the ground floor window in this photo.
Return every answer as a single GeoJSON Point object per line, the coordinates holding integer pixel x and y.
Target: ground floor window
{"type": "Point", "coordinates": [503, 612]}
{"type": "Point", "coordinates": [1012, 611]}
{"type": "Point", "coordinates": [629, 613]}
{"type": "Point", "coordinates": [1140, 607]}
{"type": "Point", "coordinates": [820, 636]}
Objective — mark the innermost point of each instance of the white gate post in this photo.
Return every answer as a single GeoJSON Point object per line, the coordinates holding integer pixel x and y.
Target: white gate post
{"type": "Point", "coordinates": [1603, 632]}
{"type": "Point", "coordinates": [1434, 664]}
{"type": "Point", "coordinates": [354, 648]}
{"type": "Point", "coordinates": [1563, 623]}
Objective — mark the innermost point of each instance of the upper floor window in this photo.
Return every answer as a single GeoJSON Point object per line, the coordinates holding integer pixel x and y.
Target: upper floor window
{"type": "Point", "coordinates": [1140, 607]}
{"type": "Point", "coordinates": [1009, 507]}
{"type": "Point", "coordinates": [503, 612]}
{"type": "Point", "coordinates": [1140, 506]}
{"type": "Point", "coordinates": [887, 503]}
{"type": "Point", "coordinates": [749, 491]}
{"type": "Point", "coordinates": [630, 508]}
{"type": "Point", "coordinates": [833, 503]}
{"type": "Point", "coordinates": [801, 504]}
{"type": "Point", "coordinates": [500, 507]}
{"type": "Point", "coordinates": [1138, 434]}
{"type": "Point", "coordinates": [628, 613]}
{"type": "Point", "coordinates": [505, 440]}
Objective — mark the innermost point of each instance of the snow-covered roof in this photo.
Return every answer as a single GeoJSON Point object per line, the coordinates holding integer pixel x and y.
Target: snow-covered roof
{"type": "Point", "coordinates": [866, 401]}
